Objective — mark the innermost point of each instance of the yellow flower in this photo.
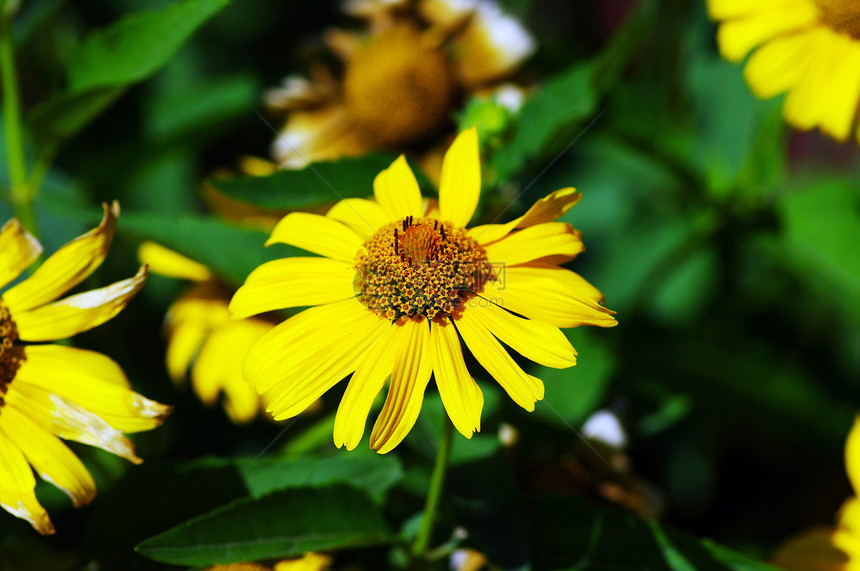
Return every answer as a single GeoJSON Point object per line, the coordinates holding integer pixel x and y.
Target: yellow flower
{"type": "Point", "coordinates": [400, 281]}
{"type": "Point", "coordinates": [309, 562]}
{"type": "Point", "coordinates": [831, 549]}
{"type": "Point", "coordinates": [808, 48]}
{"type": "Point", "coordinates": [48, 392]}
{"type": "Point", "coordinates": [199, 329]}
{"type": "Point", "coordinates": [402, 79]}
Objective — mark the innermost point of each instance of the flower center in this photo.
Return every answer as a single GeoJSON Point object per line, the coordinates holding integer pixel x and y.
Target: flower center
{"type": "Point", "coordinates": [841, 15]}
{"type": "Point", "coordinates": [397, 88]}
{"type": "Point", "coordinates": [420, 267]}
{"type": "Point", "coordinates": [11, 355]}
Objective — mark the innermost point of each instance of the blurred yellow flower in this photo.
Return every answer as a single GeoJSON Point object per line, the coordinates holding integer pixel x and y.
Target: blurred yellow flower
{"type": "Point", "coordinates": [199, 329]}
{"type": "Point", "coordinates": [807, 48]}
{"type": "Point", "coordinates": [831, 549]}
{"type": "Point", "coordinates": [309, 562]}
{"type": "Point", "coordinates": [399, 282]}
{"type": "Point", "coordinates": [48, 392]}
{"type": "Point", "coordinates": [402, 78]}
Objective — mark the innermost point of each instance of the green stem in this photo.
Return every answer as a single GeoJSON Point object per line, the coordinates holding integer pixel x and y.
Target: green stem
{"type": "Point", "coordinates": [437, 482]}
{"type": "Point", "coordinates": [20, 188]}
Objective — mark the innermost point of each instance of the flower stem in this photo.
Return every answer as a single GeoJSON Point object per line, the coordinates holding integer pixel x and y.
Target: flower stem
{"type": "Point", "coordinates": [20, 188]}
{"type": "Point", "coordinates": [437, 482]}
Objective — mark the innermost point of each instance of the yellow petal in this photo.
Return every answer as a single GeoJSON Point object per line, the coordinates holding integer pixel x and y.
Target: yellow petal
{"type": "Point", "coordinates": [727, 9]}
{"type": "Point", "coordinates": [166, 262]}
{"type": "Point", "coordinates": [779, 64]}
{"type": "Point", "coordinates": [52, 459]}
{"type": "Point", "coordinates": [523, 388]}
{"type": "Point", "coordinates": [409, 378]}
{"type": "Point", "coordinates": [460, 393]}
{"type": "Point", "coordinates": [68, 420]}
{"type": "Point", "coordinates": [317, 234]}
{"type": "Point", "coordinates": [17, 485]}
{"type": "Point", "coordinates": [841, 88]}
{"type": "Point", "coordinates": [69, 265]}
{"type": "Point", "coordinates": [310, 373]}
{"type": "Point", "coordinates": [293, 282]}
{"type": "Point", "coordinates": [852, 455]}
{"type": "Point", "coordinates": [364, 216]}
{"type": "Point", "coordinates": [372, 371]}
{"type": "Point", "coordinates": [537, 341]}
{"type": "Point", "coordinates": [737, 37]}
{"type": "Point", "coordinates": [547, 209]}
{"type": "Point", "coordinates": [218, 368]}
{"type": "Point", "coordinates": [310, 562]}
{"type": "Point", "coordinates": [397, 191]}
{"type": "Point", "coordinates": [556, 239]}
{"type": "Point", "coordinates": [77, 313]}
{"type": "Point", "coordinates": [460, 185]}
{"type": "Point", "coordinates": [92, 381]}
{"type": "Point", "coordinates": [549, 300]}
{"type": "Point", "coordinates": [849, 517]}
{"type": "Point", "coordinates": [18, 249]}
{"type": "Point", "coordinates": [577, 285]}
{"type": "Point", "coordinates": [183, 343]}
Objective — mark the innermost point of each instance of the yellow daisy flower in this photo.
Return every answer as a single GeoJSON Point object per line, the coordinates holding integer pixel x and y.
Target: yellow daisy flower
{"type": "Point", "coordinates": [49, 392]}
{"type": "Point", "coordinates": [402, 78]}
{"type": "Point", "coordinates": [398, 284]}
{"type": "Point", "coordinates": [831, 549]}
{"type": "Point", "coordinates": [199, 329]}
{"type": "Point", "coordinates": [807, 48]}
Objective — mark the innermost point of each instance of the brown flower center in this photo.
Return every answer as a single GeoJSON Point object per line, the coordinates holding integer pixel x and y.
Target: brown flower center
{"type": "Point", "coordinates": [841, 15]}
{"type": "Point", "coordinates": [398, 89]}
{"type": "Point", "coordinates": [420, 267]}
{"type": "Point", "coordinates": [11, 356]}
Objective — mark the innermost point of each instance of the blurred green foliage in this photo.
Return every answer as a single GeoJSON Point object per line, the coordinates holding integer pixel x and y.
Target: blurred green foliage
{"type": "Point", "coordinates": [726, 242]}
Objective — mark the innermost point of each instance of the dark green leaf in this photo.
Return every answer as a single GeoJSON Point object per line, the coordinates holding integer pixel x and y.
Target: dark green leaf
{"type": "Point", "coordinates": [569, 533]}
{"type": "Point", "coordinates": [318, 183]}
{"type": "Point", "coordinates": [548, 120]}
{"type": "Point", "coordinates": [111, 59]}
{"type": "Point", "coordinates": [372, 473]}
{"type": "Point", "coordinates": [136, 46]}
{"type": "Point", "coordinates": [230, 251]}
{"type": "Point", "coordinates": [282, 524]}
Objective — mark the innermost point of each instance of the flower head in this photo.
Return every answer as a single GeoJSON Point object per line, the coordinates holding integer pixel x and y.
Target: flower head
{"type": "Point", "coordinates": [200, 330]}
{"type": "Point", "coordinates": [807, 48]}
{"type": "Point", "coordinates": [49, 392]}
{"type": "Point", "coordinates": [403, 77]}
{"type": "Point", "coordinates": [399, 283]}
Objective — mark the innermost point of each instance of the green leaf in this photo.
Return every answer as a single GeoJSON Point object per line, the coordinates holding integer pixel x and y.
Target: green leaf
{"type": "Point", "coordinates": [230, 251]}
{"type": "Point", "coordinates": [136, 46]}
{"type": "Point", "coordinates": [109, 60]}
{"type": "Point", "coordinates": [821, 231]}
{"type": "Point", "coordinates": [548, 120]}
{"type": "Point", "coordinates": [374, 474]}
{"type": "Point", "coordinates": [572, 394]}
{"type": "Point", "coordinates": [317, 183]}
{"type": "Point", "coordinates": [282, 524]}
{"type": "Point", "coordinates": [569, 533]}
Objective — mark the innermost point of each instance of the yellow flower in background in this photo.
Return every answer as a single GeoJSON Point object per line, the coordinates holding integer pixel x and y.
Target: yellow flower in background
{"type": "Point", "coordinates": [310, 562]}
{"type": "Point", "coordinates": [49, 392]}
{"type": "Point", "coordinates": [809, 49]}
{"type": "Point", "coordinates": [199, 329]}
{"type": "Point", "coordinates": [831, 549]}
{"type": "Point", "coordinates": [402, 78]}
{"type": "Point", "coordinates": [398, 283]}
